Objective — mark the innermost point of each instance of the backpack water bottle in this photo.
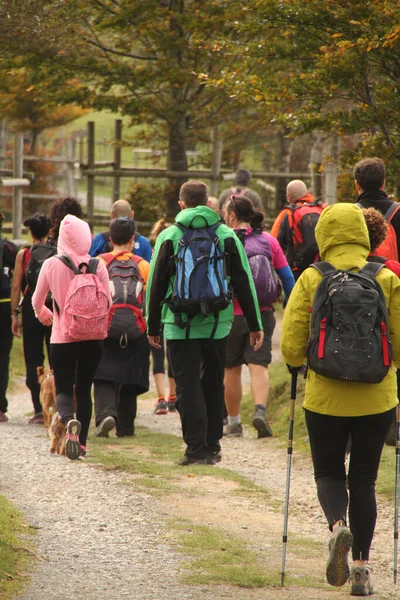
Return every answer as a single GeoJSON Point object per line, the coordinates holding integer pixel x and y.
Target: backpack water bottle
{"type": "Point", "coordinates": [201, 285]}
{"type": "Point", "coordinates": [86, 309]}
{"type": "Point", "coordinates": [349, 338]}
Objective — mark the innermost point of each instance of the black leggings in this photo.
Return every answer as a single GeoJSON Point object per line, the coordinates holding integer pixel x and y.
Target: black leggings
{"type": "Point", "coordinates": [328, 439]}
{"type": "Point", "coordinates": [35, 335]}
{"type": "Point", "coordinates": [75, 364]}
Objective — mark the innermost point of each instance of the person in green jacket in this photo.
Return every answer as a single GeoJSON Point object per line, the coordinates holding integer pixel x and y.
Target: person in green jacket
{"type": "Point", "coordinates": [335, 409]}
{"type": "Point", "coordinates": [197, 354]}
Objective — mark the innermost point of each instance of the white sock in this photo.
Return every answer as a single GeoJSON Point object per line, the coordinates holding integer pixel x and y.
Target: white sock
{"type": "Point", "coordinates": [234, 420]}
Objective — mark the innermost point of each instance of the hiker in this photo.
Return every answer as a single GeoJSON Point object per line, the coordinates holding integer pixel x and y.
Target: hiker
{"type": "Point", "coordinates": [345, 403]}
{"type": "Point", "coordinates": [266, 261]}
{"type": "Point", "coordinates": [34, 335]}
{"type": "Point", "coordinates": [101, 241]}
{"type": "Point", "coordinates": [78, 331]}
{"type": "Point", "coordinates": [197, 321]}
{"type": "Point", "coordinates": [123, 372]}
{"type": "Point", "coordinates": [164, 404]}
{"type": "Point", "coordinates": [294, 227]}
{"type": "Point", "coordinates": [240, 186]}
{"type": "Point", "coordinates": [8, 253]}
{"type": "Point", "coordinates": [369, 181]}
{"type": "Point", "coordinates": [60, 209]}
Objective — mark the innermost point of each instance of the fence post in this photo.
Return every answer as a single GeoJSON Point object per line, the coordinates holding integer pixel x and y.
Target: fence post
{"type": "Point", "coordinates": [69, 169]}
{"type": "Point", "coordinates": [331, 172]}
{"type": "Point", "coordinates": [216, 162]}
{"type": "Point", "coordinates": [17, 191]}
{"type": "Point", "coordinates": [117, 158]}
{"type": "Point", "coordinates": [90, 178]}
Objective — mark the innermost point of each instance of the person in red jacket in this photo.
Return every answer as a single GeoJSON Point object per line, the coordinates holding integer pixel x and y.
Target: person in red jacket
{"type": "Point", "coordinates": [378, 230]}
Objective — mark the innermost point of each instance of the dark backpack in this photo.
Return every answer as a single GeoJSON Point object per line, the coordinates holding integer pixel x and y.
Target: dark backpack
{"type": "Point", "coordinates": [304, 249]}
{"type": "Point", "coordinates": [38, 253]}
{"type": "Point", "coordinates": [259, 253]}
{"type": "Point", "coordinates": [201, 285]}
{"type": "Point", "coordinates": [349, 337]}
{"type": "Point", "coordinates": [126, 314]}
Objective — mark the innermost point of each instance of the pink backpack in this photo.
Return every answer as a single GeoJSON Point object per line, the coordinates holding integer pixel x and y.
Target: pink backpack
{"type": "Point", "coordinates": [86, 309]}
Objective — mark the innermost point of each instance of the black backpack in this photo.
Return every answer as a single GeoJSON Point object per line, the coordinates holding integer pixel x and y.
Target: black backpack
{"type": "Point", "coordinates": [39, 253]}
{"type": "Point", "coordinates": [349, 334]}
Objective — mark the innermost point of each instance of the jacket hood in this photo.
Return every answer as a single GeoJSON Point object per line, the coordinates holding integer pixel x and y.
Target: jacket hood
{"type": "Point", "coordinates": [309, 198]}
{"type": "Point", "coordinates": [341, 229]}
{"type": "Point", "coordinates": [74, 239]}
{"type": "Point", "coordinates": [201, 216]}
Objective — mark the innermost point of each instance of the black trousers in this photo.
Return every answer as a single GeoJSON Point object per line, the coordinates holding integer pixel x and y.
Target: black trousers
{"type": "Point", "coordinates": [328, 439]}
{"type": "Point", "coordinates": [198, 367]}
{"type": "Point", "coordinates": [118, 401]}
{"type": "Point", "coordinates": [6, 341]}
{"type": "Point", "coordinates": [35, 335]}
{"type": "Point", "coordinates": [75, 364]}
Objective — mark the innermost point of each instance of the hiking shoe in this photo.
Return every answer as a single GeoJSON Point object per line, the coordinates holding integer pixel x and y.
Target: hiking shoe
{"type": "Point", "coordinates": [185, 461]}
{"type": "Point", "coordinates": [83, 455]}
{"type": "Point", "coordinates": [161, 407]}
{"type": "Point", "coordinates": [260, 422]}
{"type": "Point", "coordinates": [72, 445]}
{"type": "Point", "coordinates": [104, 427]}
{"type": "Point", "coordinates": [37, 419]}
{"type": "Point", "coordinates": [216, 457]}
{"type": "Point", "coordinates": [3, 417]}
{"type": "Point", "coordinates": [233, 430]}
{"type": "Point", "coordinates": [337, 568]}
{"type": "Point", "coordinates": [171, 403]}
{"type": "Point", "coordinates": [360, 580]}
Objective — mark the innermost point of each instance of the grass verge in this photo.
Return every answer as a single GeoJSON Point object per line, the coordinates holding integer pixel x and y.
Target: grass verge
{"type": "Point", "coordinates": [16, 550]}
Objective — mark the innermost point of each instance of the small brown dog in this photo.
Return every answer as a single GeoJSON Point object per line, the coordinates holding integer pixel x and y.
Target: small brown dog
{"type": "Point", "coordinates": [47, 395]}
{"type": "Point", "coordinates": [57, 435]}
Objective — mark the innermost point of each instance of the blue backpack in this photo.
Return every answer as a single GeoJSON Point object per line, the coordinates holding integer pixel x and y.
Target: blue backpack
{"type": "Point", "coordinates": [200, 285]}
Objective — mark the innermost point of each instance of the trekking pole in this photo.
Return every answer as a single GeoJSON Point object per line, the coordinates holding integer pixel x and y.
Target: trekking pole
{"type": "Point", "coordinates": [288, 470]}
{"type": "Point", "coordinates": [396, 496]}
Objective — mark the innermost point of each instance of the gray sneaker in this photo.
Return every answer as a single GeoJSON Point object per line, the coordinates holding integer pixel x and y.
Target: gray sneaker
{"type": "Point", "coordinates": [360, 580]}
{"type": "Point", "coordinates": [260, 422]}
{"type": "Point", "coordinates": [337, 568]}
{"type": "Point", "coordinates": [233, 430]}
{"type": "Point", "coordinates": [105, 426]}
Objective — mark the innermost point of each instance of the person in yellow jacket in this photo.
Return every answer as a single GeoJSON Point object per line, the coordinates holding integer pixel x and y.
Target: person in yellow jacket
{"type": "Point", "coordinates": [335, 409]}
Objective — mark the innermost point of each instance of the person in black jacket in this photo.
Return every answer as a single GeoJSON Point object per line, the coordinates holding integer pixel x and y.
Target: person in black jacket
{"type": "Point", "coordinates": [369, 175]}
{"type": "Point", "coordinates": [8, 253]}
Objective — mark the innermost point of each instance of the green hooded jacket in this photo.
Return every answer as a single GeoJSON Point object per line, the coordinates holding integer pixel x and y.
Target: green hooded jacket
{"type": "Point", "coordinates": [162, 276]}
{"type": "Point", "coordinates": [343, 240]}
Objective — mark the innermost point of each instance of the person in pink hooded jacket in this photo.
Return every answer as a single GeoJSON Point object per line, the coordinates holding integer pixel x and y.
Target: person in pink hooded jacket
{"type": "Point", "coordinates": [74, 363]}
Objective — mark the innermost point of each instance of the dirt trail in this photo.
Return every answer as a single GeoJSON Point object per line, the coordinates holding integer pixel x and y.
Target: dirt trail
{"type": "Point", "coordinates": [100, 536]}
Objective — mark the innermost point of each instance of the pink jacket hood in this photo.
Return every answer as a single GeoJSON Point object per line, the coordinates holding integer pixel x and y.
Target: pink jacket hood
{"type": "Point", "coordinates": [74, 239]}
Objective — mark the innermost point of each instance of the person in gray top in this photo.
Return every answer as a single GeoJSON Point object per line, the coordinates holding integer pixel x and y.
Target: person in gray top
{"type": "Point", "coordinates": [241, 187]}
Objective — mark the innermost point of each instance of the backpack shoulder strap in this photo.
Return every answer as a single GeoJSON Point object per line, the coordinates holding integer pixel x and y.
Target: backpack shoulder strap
{"type": "Point", "coordinates": [392, 210]}
{"type": "Point", "coordinates": [378, 259]}
{"type": "Point", "coordinates": [2, 244]}
{"type": "Point", "coordinates": [65, 259]}
{"type": "Point", "coordinates": [325, 268]}
{"type": "Point", "coordinates": [92, 266]}
{"type": "Point", "coordinates": [372, 269]}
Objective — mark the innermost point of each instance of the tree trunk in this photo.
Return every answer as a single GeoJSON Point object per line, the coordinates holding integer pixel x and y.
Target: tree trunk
{"type": "Point", "coordinates": [282, 165]}
{"type": "Point", "coordinates": [176, 161]}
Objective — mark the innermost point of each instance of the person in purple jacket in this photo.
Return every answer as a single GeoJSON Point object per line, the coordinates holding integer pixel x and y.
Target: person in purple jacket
{"type": "Point", "coordinates": [267, 260]}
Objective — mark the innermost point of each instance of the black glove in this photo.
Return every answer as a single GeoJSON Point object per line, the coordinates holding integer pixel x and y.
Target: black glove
{"type": "Point", "coordinates": [293, 370]}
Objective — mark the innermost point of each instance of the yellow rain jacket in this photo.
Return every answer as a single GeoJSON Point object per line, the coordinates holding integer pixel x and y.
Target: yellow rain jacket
{"type": "Point", "coordinates": [343, 240]}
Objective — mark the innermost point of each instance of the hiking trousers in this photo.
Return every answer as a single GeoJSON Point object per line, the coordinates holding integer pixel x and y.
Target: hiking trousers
{"type": "Point", "coordinates": [198, 367]}
{"type": "Point", "coordinates": [328, 439]}
{"type": "Point", "coordinates": [35, 335]}
{"type": "Point", "coordinates": [5, 351]}
{"type": "Point", "coordinates": [118, 401]}
{"type": "Point", "coordinates": [74, 366]}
